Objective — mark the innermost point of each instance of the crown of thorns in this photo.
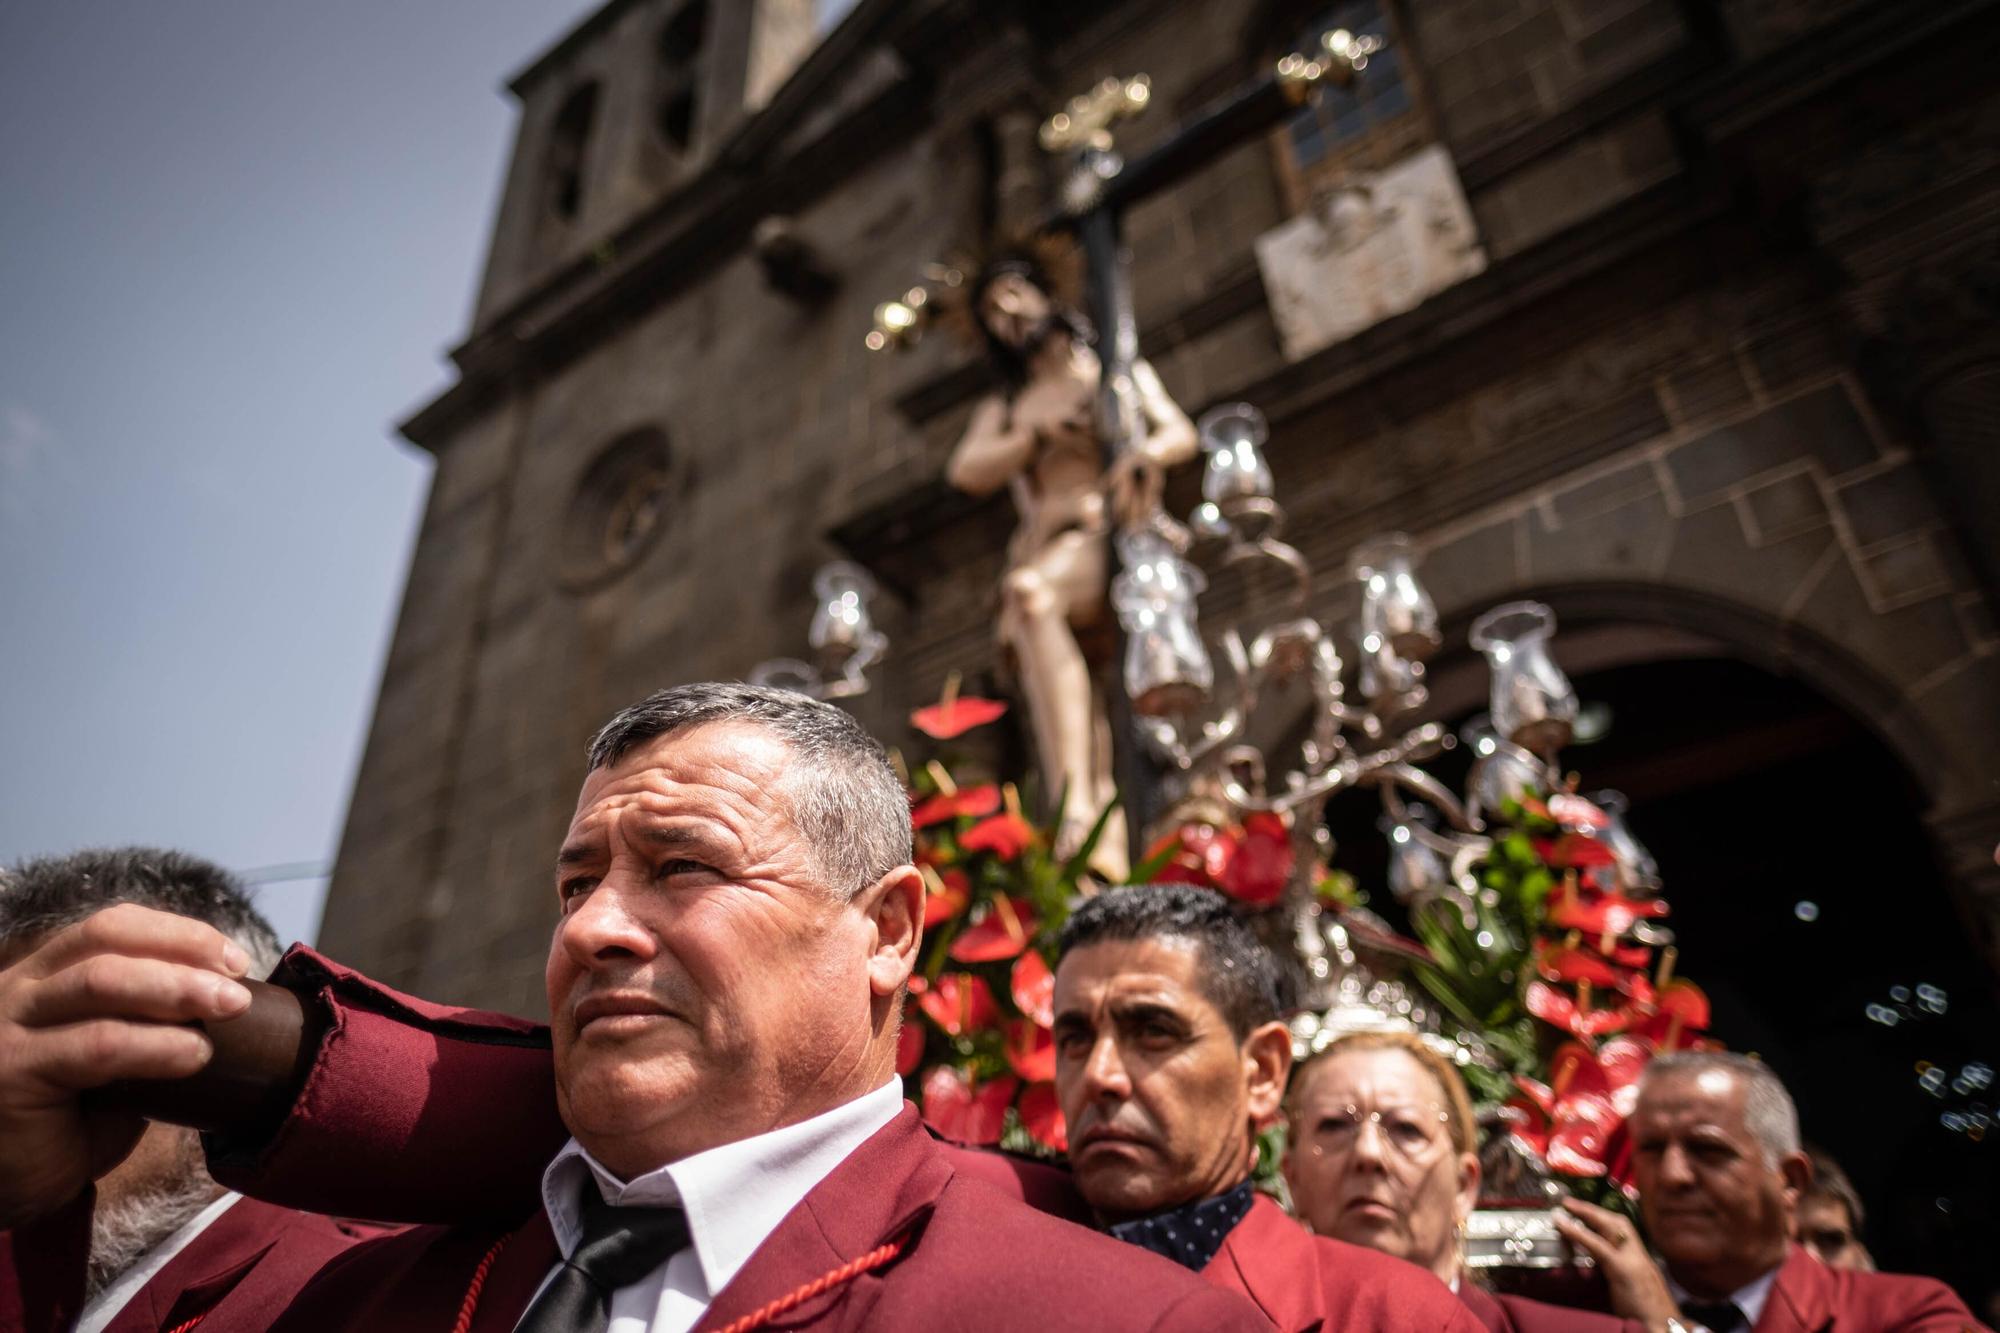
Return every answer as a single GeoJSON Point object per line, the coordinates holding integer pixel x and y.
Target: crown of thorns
{"type": "Point", "coordinates": [1052, 262]}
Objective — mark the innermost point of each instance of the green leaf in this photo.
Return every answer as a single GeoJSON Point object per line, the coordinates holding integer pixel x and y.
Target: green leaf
{"type": "Point", "coordinates": [1074, 867]}
{"type": "Point", "coordinates": [1149, 869]}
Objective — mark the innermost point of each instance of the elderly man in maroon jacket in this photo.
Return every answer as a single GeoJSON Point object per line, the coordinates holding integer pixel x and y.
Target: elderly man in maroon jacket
{"type": "Point", "coordinates": [1716, 1157]}
{"type": "Point", "coordinates": [738, 920]}
{"type": "Point", "coordinates": [164, 1242]}
{"type": "Point", "coordinates": [1169, 1058]}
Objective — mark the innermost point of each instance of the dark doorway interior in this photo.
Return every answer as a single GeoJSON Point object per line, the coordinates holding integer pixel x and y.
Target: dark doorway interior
{"type": "Point", "coordinates": [1808, 904]}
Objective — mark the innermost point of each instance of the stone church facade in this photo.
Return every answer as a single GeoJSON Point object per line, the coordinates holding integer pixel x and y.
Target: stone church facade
{"type": "Point", "coordinates": [1724, 381]}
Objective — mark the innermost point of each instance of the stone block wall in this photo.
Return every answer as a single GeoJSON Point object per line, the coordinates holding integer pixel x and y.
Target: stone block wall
{"type": "Point", "coordinates": [1655, 396]}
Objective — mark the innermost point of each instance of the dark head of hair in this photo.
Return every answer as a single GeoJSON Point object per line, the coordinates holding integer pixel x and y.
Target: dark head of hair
{"type": "Point", "coordinates": [1238, 975]}
{"type": "Point", "coordinates": [1009, 360]}
{"type": "Point", "coordinates": [846, 799]}
{"type": "Point", "coordinates": [42, 896]}
{"type": "Point", "coordinates": [1830, 1182]}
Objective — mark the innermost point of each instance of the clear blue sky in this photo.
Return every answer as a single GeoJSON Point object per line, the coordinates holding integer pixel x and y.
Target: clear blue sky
{"type": "Point", "coordinates": [235, 239]}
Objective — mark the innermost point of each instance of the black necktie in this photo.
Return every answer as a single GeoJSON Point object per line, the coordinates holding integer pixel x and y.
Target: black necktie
{"type": "Point", "coordinates": [1718, 1317]}
{"type": "Point", "coordinates": [619, 1246]}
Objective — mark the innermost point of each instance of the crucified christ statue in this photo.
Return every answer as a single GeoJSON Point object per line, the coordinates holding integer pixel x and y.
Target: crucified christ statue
{"type": "Point", "coordinates": [1038, 435]}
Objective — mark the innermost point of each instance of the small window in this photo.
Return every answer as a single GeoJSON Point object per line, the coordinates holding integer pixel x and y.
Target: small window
{"type": "Point", "coordinates": [1364, 128]}
{"type": "Point", "coordinates": [569, 141]}
{"type": "Point", "coordinates": [619, 508]}
{"type": "Point", "coordinates": [679, 74]}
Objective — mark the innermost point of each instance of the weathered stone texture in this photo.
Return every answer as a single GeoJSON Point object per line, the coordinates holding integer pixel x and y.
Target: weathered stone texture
{"type": "Point", "coordinates": [1662, 386]}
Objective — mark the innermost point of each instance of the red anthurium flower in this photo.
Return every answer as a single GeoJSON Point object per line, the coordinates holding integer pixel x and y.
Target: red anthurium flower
{"type": "Point", "coordinates": [1618, 1155]}
{"type": "Point", "coordinates": [1202, 853]}
{"type": "Point", "coordinates": [1686, 1001]}
{"type": "Point", "coordinates": [1571, 1130]}
{"type": "Point", "coordinates": [1575, 813]}
{"type": "Point", "coordinates": [1680, 1014]}
{"type": "Point", "coordinates": [909, 1048]}
{"type": "Point", "coordinates": [1602, 914]}
{"type": "Point", "coordinates": [1559, 963]}
{"type": "Point", "coordinates": [1031, 1050]}
{"type": "Point", "coordinates": [974, 801]}
{"type": "Point", "coordinates": [1557, 1009]}
{"type": "Point", "coordinates": [1034, 988]}
{"type": "Point", "coordinates": [1005, 835]}
{"type": "Point", "coordinates": [945, 896]}
{"type": "Point", "coordinates": [1573, 851]}
{"type": "Point", "coordinates": [1576, 1072]}
{"type": "Point", "coordinates": [1262, 866]}
{"type": "Point", "coordinates": [960, 1003]}
{"type": "Point", "coordinates": [1622, 1059]}
{"type": "Point", "coordinates": [1042, 1117]}
{"type": "Point", "coordinates": [1630, 955]}
{"type": "Point", "coordinates": [1005, 930]}
{"type": "Point", "coordinates": [1580, 1140]}
{"type": "Point", "coordinates": [952, 717]}
{"type": "Point", "coordinates": [963, 1111]}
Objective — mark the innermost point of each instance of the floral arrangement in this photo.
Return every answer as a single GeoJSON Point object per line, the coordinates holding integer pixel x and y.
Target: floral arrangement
{"type": "Point", "coordinates": [1553, 961]}
{"type": "Point", "coordinates": [978, 1053]}
{"type": "Point", "coordinates": [1556, 964]}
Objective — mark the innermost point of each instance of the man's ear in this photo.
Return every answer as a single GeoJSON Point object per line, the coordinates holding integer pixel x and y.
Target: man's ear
{"type": "Point", "coordinates": [1267, 1063]}
{"type": "Point", "coordinates": [893, 907]}
{"type": "Point", "coordinates": [1796, 1168]}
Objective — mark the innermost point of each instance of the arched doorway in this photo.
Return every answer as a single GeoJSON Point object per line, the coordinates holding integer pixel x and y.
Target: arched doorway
{"type": "Point", "coordinates": [1808, 901]}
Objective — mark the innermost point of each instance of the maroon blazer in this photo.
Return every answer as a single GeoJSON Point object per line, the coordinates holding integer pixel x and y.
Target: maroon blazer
{"type": "Point", "coordinates": [971, 1258]}
{"type": "Point", "coordinates": [1809, 1297]}
{"type": "Point", "coordinates": [419, 1112]}
{"type": "Point", "coordinates": [1305, 1283]}
{"type": "Point", "coordinates": [241, 1271]}
{"type": "Point", "coordinates": [1518, 1314]}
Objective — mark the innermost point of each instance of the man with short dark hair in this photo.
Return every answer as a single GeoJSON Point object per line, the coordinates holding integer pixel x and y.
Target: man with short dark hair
{"type": "Point", "coordinates": [1170, 1057]}
{"type": "Point", "coordinates": [157, 1222]}
{"type": "Point", "coordinates": [738, 919]}
{"type": "Point", "coordinates": [1830, 1217]}
{"type": "Point", "coordinates": [1715, 1142]}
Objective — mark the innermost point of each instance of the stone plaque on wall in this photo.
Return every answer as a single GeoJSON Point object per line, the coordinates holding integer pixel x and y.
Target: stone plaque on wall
{"type": "Point", "coordinates": [1373, 246]}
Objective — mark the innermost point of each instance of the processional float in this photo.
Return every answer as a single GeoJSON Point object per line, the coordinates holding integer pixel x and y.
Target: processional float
{"type": "Point", "coordinates": [1539, 964]}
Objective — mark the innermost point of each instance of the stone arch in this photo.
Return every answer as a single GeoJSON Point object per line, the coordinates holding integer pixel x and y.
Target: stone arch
{"type": "Point", "coordinates": [1773, 570]}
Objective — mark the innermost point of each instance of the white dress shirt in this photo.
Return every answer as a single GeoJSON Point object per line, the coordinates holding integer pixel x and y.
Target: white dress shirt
{"type": "Point", "coordinates": [1750, 1299]}
{"type": "Point", "coordinates": [105, 1306]}
{"type": "Point", "coordinates": [734, 1197]}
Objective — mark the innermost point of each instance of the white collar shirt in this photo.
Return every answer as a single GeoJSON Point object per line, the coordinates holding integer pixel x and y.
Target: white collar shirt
{"type": "Point", "coordinates": [104, 1306]}
{"type": "Point", "coordinates": [734, 1196]}
{"type": "Point", "coordinates": [1750, 1298]}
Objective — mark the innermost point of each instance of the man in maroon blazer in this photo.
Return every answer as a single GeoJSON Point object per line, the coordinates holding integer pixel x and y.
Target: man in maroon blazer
{"type": "Point", "coordinates": [1717, 1162]}
{"type": "Point", "coordinates": [1170, 1057]}
{"type": "Point", "coordinates": [164, 1242]}
{"type": "Point", "coordinates": [738, 920]}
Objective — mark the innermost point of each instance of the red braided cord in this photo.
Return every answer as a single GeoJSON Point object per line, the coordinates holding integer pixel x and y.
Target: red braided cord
{"type": "Point", "coordinates": [875, 1258]}
{"type": "Point", "coordinates": [470, 1305]}
{"type": "Point", "coordinates": [187, 1324]}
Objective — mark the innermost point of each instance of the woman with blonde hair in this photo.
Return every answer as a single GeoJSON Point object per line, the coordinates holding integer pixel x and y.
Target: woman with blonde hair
{"type": "Point", "coordinates": [1383, 1152]}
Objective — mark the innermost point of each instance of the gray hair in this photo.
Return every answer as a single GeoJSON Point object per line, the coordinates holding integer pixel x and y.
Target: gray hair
{"type": "Point", "coordinates": [1768, 1111]}
{"type": "Point", "coordinates": [44, 895]}
{"type": "Point", "coordinates": [845, 796]}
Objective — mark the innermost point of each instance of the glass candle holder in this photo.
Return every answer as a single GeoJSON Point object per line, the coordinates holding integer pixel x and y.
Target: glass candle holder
{"type": "Point", "coordinates": [1167, 670]}
{"type": "Point", "coordinates": [1534, 705]}
{"type": "Point", "coordinates": [841, 625]}
{"type": "Point", "coordinates": [1394, 606]}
